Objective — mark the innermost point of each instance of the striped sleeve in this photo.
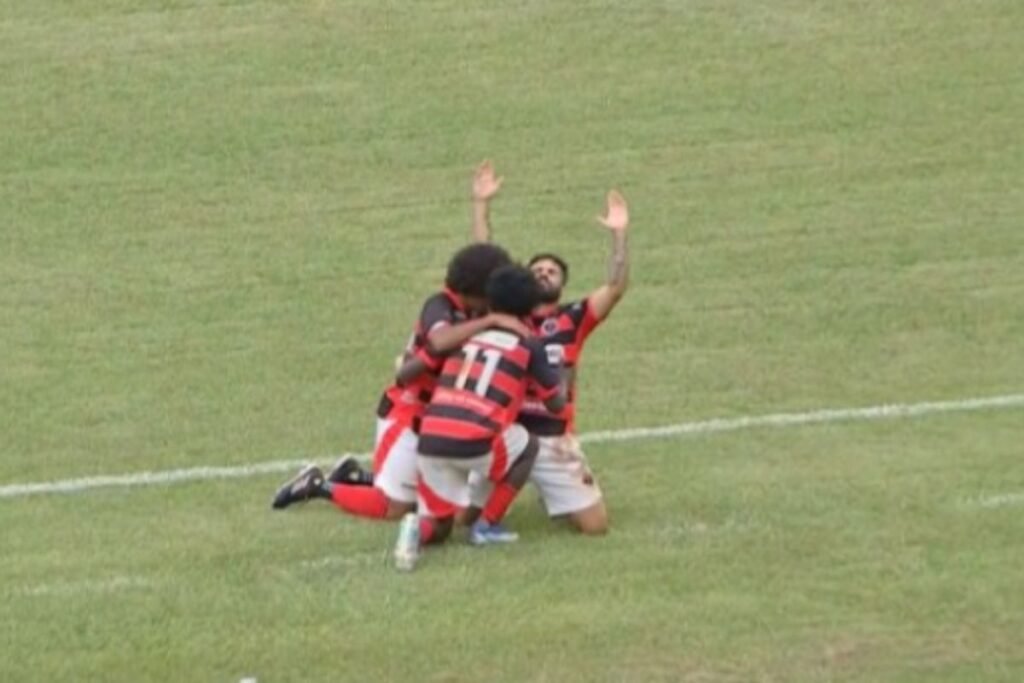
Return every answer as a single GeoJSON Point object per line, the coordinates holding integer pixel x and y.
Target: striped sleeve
{"type": "Point", "coordinates": [545, 376]}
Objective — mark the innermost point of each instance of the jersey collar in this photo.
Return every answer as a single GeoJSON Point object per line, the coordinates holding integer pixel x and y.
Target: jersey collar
{"type": "Point", "coordinates": [454, 298]}
{"type": "Point", "coordinates": [545, 311]}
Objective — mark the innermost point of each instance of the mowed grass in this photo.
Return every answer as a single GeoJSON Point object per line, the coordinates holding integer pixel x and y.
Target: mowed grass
{"type": "Point", "coordinates": [218, 221]}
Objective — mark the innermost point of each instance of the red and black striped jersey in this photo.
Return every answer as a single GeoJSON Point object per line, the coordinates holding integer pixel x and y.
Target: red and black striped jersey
{"type": "Point", "coordinates": [408, 401]}
{"type": "Point", "coordinates": [562, 330]}
{"type": "Point", "coordinates": [480, 392]}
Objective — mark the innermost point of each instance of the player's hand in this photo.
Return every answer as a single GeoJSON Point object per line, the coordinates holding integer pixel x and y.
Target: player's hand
{"type": "Point", "coordinates": [617, 215]}
{"type": "Point", "coordinates": [485, 183]}
{"type": "Point", "coordinates": [510, 323]}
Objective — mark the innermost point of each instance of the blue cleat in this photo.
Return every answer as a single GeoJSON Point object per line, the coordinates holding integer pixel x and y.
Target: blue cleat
{"type": "Point", "coordinates": [482, 533]}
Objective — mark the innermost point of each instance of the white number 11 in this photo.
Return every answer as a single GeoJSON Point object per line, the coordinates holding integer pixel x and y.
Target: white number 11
{"type": "Point", "coordinates": [491, 359]}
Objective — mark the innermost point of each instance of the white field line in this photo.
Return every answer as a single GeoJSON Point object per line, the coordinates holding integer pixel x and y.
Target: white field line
{"type": "Point", "coordinates": [363, 559]}
{"type": "Point", "coordinates": [112, 584]}
{"type": "Point", "coordinates": [998, 500]}
{"type": "Point", "coordinates": [881, 412]}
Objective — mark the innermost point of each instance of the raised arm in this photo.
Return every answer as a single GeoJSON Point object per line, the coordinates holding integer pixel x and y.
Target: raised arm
{"type": "Point", "coordinates": [447, 338]}
{"type": "Point", "coordinates": [409, 369]}
{"type": "Point", "coordinates": [485, 186]}
{"type": "Point", "coordinates": [616, 220]}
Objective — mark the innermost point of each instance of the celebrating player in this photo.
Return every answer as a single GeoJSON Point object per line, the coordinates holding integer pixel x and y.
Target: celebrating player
{"type": "Point", "coordinates": [444, 324]}
{"type": "Point", "coordinates": [561, 472]}
{"type": "Point", "coordinates": [469, 424]}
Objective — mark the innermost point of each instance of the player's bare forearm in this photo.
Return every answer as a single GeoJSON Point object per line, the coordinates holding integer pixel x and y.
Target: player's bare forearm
{"type": "Point", "coordinates": [481, 220]}
{"type": "Point", "coordinates": [485, 186]}
{"type": "Point", "coordinates": [605, 298]}
{"type": "Point", "coordinates": [410, 370]}
{"type": "Point", "coordinates": [451, 337]}
{"type": "Point", "coordinates": [616, 219]}
{"type": "Point", "coordinates": [447, 339]}
{"type": "Point", "coordinates": [618, 263]}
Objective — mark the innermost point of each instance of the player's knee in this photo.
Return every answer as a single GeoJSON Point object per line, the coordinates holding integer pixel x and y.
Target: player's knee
{"type": "Point", "coordinates": [442, 529]}
{"type": "Point", "coordinates": [593, 521]}
{"type": "Point", "coordinates": [397, 509]}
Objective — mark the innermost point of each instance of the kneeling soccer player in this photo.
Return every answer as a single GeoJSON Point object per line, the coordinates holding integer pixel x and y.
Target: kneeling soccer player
{"type": "Point", "coordinates": [469, 424]}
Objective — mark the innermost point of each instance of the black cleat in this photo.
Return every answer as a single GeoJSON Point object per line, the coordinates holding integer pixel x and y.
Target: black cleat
{"type": "Point", "coordinates": [348, 471]}
{"type": "Point", "coordinates": [299, 489]}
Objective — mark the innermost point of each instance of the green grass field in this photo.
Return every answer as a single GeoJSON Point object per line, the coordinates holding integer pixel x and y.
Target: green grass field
{"type": "Point", "coordinates": [217, 222]}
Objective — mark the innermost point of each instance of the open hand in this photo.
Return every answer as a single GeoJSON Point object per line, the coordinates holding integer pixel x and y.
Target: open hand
{"type": "Point", "coordinates": [617, 214]}
{"type": "Point", "coordinates": [485, 183]}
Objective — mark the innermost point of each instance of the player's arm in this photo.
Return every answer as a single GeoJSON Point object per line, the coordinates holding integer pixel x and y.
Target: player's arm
{"type": "Point", "coordinates": [603, 299]}
{"type": "Point", "coordinates": [409, 369]}
{"type": "Point", "coordinates": [485, 186]}
{"type": "Point", "coordinates": [547, 377]}
{"type": "Point", "coordinates": [443, 339]}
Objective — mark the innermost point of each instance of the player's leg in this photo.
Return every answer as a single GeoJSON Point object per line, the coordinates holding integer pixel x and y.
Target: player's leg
{"type": "Point", "coordinates": [441, 491]}
{"type": "Point", "coordinates": [348, 470]}
{"type": "Point", "coordinates": [394, 484]}
{"type": "Point", "coordinates": [307, 484]}
{"type": "Point", "coordinates": [508, 466]}
{"type": "Point", "coordinates": [393, 493]}
{"type": "Point", "coordinates": [567, 485]}
{"type": "Point", "coordinates": [480, 488]}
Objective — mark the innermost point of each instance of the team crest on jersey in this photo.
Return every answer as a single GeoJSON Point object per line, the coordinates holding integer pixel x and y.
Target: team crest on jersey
{"type": "Point", "coordinates": [549, 326]}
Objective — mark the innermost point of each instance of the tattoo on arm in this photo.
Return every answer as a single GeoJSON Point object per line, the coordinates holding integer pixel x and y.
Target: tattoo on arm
{"type": "Point", "coordinates": [618, 262]}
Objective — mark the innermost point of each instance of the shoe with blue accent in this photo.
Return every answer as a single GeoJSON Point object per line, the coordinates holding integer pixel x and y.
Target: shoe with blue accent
{"type": "Point", "coordinates": [482, 533]}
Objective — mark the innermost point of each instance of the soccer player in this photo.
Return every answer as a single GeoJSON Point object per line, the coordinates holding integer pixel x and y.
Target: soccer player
{"type": "Point", "coordinates": [469, 424]}
{"type": "Point", "coordinates": [561, 473]}
{"type": "Point", "coordinates": [445, 322]}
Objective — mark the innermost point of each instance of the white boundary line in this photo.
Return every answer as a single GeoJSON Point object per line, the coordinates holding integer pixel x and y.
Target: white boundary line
{"type": "Point", "coordinates": [112, 584]}
{"type": "Point", "coordinates": [998, 500]}
{"type": "Point", "coordinates": [881, 412]}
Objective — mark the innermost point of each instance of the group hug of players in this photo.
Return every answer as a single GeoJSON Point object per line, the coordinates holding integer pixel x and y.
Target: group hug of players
{"type": "Point", "coordinates": [483, 399]}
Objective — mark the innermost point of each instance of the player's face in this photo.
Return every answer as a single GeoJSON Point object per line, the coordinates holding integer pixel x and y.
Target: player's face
{"type": "Point", "coordinates": [549, 276]}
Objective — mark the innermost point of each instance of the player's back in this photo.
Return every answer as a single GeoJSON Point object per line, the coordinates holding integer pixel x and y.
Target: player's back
{"type": "Point", "coordinates": [478, 394]}
{"type": "Point", "coordinates": [439, 309]}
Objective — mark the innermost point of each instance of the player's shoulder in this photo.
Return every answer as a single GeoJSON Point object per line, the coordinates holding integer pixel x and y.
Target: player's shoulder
{"type": "Point", "coordinates": [564, 317]}
{"type": "Point", "coordinates": [577, 306]}
{"type": "Point", "coordinates": [438, 298]}
{"type": "Point", "coordinates": [442, 304]}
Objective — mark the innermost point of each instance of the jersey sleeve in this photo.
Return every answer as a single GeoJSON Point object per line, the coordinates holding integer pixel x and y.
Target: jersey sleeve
{"type": "Point", "coordinates": [582, 314]}
{"type": "Point", "coordinates": [545, 376]}
{"type": "Point", "coordinates": [437, 313]}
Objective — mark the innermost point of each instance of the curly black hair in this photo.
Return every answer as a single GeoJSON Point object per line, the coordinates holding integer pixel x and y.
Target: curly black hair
{"type": "Point", "coordinates": [471, 266]}
{"type": "Point", "coordinates": [512, 289]}
{"type": "Point", "coordinates": [546, 256]}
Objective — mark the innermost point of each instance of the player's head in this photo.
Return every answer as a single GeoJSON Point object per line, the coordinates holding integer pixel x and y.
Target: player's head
{"type": "Point", "coordinates": [469, 270]}
{"type": "Point", "coordinates": [552, 273]}
{"type": "Point", "coordinates": [513, 290]}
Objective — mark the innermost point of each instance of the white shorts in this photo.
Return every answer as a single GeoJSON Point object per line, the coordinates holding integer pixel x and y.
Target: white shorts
{"type": "Point", "coordinates": [444, 482]}
{"type": "Point", "coordinates": [561, 475]}
{"type": "Point", "coordinates": [394, 460]}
